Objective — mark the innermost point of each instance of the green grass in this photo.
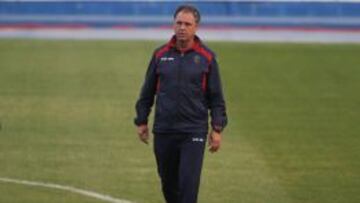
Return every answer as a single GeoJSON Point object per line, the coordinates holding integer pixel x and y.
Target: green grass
{"type": "Point", "coordinates": [66, 112]}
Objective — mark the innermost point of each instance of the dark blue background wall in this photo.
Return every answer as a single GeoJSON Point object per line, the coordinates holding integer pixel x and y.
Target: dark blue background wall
{"type": "Point", "coordinates": [137, 13]}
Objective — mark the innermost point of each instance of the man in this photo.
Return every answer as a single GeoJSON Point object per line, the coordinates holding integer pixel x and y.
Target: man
{"type": "Point", "coordinates": [184, 76]}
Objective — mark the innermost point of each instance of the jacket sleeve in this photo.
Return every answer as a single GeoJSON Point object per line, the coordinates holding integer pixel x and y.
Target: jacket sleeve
{"type": "Point", "coordinates": [216, 98]}
{"type": "Point", "coordinates": [146, 98]}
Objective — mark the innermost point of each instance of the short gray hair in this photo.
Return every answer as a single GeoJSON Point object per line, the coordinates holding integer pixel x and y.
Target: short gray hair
{"type": "Point", "coordinates": [191, 9]}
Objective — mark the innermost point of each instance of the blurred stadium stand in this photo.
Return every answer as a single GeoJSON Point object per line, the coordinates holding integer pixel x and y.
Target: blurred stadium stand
{"type": "Point", "coordinates": [335, 14]}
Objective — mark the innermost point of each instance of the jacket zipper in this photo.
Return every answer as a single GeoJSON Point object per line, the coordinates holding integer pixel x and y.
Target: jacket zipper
{"type": "Point", "coordinates": [178, 84]}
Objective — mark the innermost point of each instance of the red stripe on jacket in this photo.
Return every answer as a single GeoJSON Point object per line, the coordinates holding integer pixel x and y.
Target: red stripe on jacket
{"type": "Point", "coordinates": [202, 51]}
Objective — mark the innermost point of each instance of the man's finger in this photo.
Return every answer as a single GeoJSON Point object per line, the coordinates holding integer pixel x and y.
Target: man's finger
{"type": "Point", "coordinates": [214, 141]}
{"type": "Point", "coordinates": [209, 140]}
{"type": "Point", "coordinates": [214, 146]}
{"type": "Point", "coordinates": [144, 137]}
{"type": "Point", "coordinates": [145, 141]}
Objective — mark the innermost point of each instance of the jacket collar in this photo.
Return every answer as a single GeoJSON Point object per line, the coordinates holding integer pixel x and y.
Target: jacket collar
{"type": "Point", "coordinates": [197, 43]}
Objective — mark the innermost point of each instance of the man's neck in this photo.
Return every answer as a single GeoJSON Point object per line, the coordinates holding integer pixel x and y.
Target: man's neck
{"type": "Point", "coordinates": [184, 45]}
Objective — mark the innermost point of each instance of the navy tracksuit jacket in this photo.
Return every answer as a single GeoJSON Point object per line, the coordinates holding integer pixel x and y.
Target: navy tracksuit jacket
{"type": "Point", "coordinates": [187, 85]}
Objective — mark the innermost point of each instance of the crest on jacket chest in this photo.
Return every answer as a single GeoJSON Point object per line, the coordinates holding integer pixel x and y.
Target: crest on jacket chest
{"type": "Point", "coordinates": [197, 59]}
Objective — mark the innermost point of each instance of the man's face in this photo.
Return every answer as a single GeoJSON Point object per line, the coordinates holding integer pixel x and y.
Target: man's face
{"type": "Point", "coordinates": [185, 26]}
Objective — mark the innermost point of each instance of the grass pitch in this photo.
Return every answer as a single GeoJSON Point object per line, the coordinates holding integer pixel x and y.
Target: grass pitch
{"type": "Point", "coordinates": [66, 112]}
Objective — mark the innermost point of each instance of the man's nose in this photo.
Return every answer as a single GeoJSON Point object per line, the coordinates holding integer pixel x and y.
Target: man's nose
{"type": "Point", "coordinates": [182, 26]}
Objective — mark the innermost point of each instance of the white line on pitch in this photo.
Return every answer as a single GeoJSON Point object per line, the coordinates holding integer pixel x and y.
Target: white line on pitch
{"type": "Point", "coordinates": [88, 193]}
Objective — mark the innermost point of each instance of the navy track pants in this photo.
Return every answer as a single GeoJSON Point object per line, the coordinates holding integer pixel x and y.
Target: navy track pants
{"type": "Point", "coordinates": [179, 159]}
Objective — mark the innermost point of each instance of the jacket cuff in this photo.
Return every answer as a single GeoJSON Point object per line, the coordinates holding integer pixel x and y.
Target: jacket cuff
{"type": "Point", "coordinates": [217, 127]}
{"type": "Point", "coordinates": [139, 122]}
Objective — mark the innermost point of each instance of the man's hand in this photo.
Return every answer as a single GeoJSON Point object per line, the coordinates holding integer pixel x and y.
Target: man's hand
{"type": "Point", "coordinates": [143, 132]}
{"type": "Point", "coordinates": [214, 141]}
